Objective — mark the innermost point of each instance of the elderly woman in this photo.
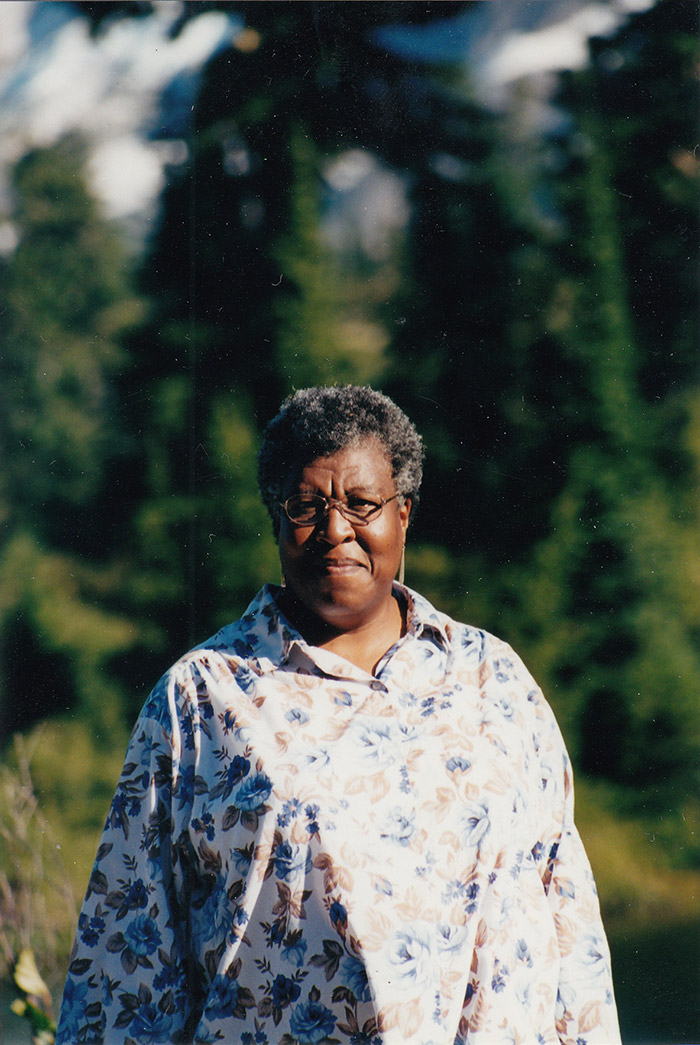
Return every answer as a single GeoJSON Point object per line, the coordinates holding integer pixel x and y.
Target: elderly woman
{"type": "Point", "coordinates": [345, 817]}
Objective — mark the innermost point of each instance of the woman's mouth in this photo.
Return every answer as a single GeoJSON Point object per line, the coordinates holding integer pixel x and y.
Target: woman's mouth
{"type": "Point", "coordinates": [341, 566]}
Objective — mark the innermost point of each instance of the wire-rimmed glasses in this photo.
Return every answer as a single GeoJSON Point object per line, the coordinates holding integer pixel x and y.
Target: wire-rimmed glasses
{"type": "Point", "coordinates": [309, 509]}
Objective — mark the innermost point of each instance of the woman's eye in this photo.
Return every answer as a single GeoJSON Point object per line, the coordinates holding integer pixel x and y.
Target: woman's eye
{"type": "Point", "coordinates": [361, 504]}
{"type": "Point", "coordinates": [303, 506]}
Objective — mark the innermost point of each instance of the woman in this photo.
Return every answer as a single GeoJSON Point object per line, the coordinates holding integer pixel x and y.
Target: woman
{"type": "Point", "coordinates": [345, 817]}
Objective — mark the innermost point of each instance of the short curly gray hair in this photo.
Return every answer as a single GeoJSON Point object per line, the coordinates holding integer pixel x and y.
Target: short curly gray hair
{"type": "Point", "coordinates": [316, 422]}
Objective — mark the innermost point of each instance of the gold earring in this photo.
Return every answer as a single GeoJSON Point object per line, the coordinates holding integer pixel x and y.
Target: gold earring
{"type": "Point", "coordinates": [402, 564]}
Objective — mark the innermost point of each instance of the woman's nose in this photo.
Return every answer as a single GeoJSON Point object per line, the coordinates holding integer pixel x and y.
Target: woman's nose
{"type": "Point", "coordinates": [335, 526]}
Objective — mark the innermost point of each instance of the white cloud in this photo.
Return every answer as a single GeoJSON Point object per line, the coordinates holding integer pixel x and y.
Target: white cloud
{"type": "Point", "coordinates": [631, 6]}
{"type": "Point", "coordinates": [106, 87]}
{"type": "Point", "coordinates": [8, 238]}
{"type": "Point", "coordinates": [560, 46]}
{"type": "Point", "coordinates": [141, 49]}
{"type": "Point", "coordinates": [348, 170]}
{"type": "Point", "coordinates": [127, 174]}
{"type": "Point", "coordinates": [109, 84]}
{"type": "Point", "coordinates": [66, 88]}
{"type": "Point", "coordinates": [13, 34]}
{"type": "Point", "coordinates": [370, 202]}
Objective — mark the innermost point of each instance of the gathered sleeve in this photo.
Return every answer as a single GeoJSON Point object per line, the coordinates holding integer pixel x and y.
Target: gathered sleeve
{"type": "Point", "coordinates": [127, 978]}
{"type": "Point", "coordinates": [585, 1008]}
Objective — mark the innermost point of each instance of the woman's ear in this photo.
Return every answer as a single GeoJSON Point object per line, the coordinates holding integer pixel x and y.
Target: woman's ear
{"type": "Point", "coordinates": [405, 513]}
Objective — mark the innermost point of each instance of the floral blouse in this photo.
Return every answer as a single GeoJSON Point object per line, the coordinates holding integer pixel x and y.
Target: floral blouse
{"type": "Point", "coordinates": [301, 852]}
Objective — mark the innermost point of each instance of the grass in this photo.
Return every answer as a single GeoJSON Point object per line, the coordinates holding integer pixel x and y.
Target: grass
{"type": "Point", "coordinates": [638, 885]}
{"type": "Point", "coordinates": [74, 779]}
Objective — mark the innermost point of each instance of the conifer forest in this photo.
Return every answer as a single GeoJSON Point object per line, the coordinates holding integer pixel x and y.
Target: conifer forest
{"type": "Point", "coordinates": [527, 294]}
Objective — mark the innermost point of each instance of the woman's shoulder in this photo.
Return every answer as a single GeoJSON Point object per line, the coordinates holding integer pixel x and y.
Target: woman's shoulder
{"type": "Point", "coordinates": [485, 656]}
{"type": "Point", "coordinates": [247, 636]}
{"type": "Point", "coordinates": [260, 634]}
{"type": "Point", "coordinates": [473, 641]}
{"type": "Point", "coordinates": [227, 656]}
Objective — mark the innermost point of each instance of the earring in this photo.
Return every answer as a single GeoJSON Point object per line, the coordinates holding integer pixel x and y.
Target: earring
{"type": "Point", "coordinates": [402, 564]}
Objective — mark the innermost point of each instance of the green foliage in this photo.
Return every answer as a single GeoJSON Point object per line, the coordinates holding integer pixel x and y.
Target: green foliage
{"type": "Point", "coordinates": [309, 349]}
{"type": "Point", "coordinates": [36, 900]}
{"type": "Point", "coordinates": [536, 319]}
{"type": "Point", "coordinates": [59, 327]}
{"type": "Point", "coordinates": [56, 622]}
{"type": "Point", "coordinates": [532, 360]}
{"type": "Point", "coordinates": [66, 306]}
{"type": "Point", "coordinates": [34, 1003]}
{"type": "Point", "coordinates": [609, 598]}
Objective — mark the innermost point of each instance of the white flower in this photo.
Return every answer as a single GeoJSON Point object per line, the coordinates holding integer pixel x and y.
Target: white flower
{"type": "Point", "coordinates": [592, 960]}
{"type": "Point", "coordinates": [409, 952]}
{"type": "Point", "coordinates": [475, 823]}
{"type": "Point", "coordinates": [398, 825]}
{"type": "Point", "coordinates": [373, 739]}
{"type": "Point", "coordinates": [450, 938]}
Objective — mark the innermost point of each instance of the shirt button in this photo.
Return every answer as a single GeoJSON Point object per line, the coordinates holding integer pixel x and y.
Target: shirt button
{"type": "Point", "coordinates": [376, 684]}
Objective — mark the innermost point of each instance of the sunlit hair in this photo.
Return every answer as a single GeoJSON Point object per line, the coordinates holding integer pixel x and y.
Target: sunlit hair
{"type": "Point", "coordinates": [316, 422]}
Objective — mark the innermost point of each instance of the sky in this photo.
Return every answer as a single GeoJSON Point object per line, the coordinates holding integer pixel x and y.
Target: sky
{"type": "Point", "coordinates": [55, 77]}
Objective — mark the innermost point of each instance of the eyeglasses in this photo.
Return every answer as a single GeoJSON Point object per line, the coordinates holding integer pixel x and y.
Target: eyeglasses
{"type": "Point", "coordinates": [308, 509]}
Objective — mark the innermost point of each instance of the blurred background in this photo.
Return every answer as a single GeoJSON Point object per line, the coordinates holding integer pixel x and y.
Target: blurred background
{"type": "Point", "coordinates": [485, 209]}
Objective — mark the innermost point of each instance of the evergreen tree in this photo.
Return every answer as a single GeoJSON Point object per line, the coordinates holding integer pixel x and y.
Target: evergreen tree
{"type": "Point", "coordinates": [454, 365]}
{"type": "Point", "coordinates": [247, 305]}
{"type": "Point", "coordinates": [553, 386]}
{"type": "Point", "coordinates": [611, 595]}
{"type": "Point", "coordinates": [65, 305]}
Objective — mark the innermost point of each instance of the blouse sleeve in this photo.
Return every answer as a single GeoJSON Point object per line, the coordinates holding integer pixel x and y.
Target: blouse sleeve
{"type": "Point", "coordinates": [127, 974]}
{"type": "Point", "coordinates": [586, 1011]}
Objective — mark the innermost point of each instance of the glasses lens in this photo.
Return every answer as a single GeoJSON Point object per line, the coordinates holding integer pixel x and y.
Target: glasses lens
{"type": "Point", "coordinates": [305, 508]}
{"type": "Point", "coordinates": [309, 508]}
{"type": "Point", "coordinates": [362, 509]}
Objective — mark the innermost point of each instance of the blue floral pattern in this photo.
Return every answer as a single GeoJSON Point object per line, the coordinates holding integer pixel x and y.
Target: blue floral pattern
{"type": "Point", "coordinates": [301, 853]}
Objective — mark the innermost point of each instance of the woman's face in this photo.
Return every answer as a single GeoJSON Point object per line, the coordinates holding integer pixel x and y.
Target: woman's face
{"type": "Point", "coordinates": [339, 571]}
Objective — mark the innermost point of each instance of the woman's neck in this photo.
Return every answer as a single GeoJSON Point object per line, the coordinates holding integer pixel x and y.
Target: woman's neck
{"type": "Point", "coordinates": [364, 646]}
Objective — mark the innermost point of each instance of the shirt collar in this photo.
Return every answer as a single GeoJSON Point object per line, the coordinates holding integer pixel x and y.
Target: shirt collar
{"type": "Point", "coordinates": [267, 636]}
{"type": "Point", "coordinates": [422, 618]}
